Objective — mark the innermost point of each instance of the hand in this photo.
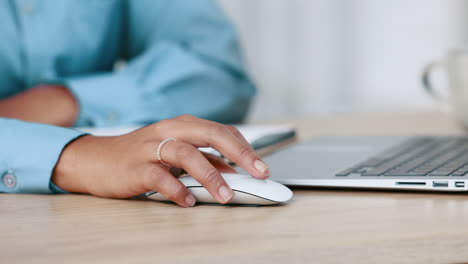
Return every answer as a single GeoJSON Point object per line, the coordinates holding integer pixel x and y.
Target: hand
{"type": "Point", "coordinates": [124, 166]}
{"type": "Point", "coordinates": [50, 104]}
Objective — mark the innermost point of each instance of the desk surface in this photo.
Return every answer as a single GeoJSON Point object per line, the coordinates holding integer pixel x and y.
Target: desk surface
{"type": "Point", "coordinates": [316, 226]}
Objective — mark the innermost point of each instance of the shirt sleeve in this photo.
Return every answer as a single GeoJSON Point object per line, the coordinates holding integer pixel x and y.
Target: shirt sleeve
{"type": "Point", "coordinates": [29, 154]}
{"type": "Point", "coordinates": [182, 58]}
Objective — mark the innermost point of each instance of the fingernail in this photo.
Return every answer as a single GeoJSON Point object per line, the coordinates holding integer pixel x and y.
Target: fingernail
{"type": "Point", "coordinates": [261, 167]}
{"type": "Point", "coordinates": [225, 193]}
{"type": "Point", "coordinates": [190, 200]}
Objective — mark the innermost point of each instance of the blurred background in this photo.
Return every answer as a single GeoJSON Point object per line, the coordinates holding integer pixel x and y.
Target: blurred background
{"type": "Point", "coordinates": [314, 57]}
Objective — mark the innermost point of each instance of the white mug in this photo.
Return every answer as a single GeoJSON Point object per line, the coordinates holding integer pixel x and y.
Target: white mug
{"type": "Point", "coordinates": [455, 65]}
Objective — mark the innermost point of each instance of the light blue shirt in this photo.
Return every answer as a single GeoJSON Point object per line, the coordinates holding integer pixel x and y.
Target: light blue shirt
{"type": "Point", "coordinates": [181, 57]}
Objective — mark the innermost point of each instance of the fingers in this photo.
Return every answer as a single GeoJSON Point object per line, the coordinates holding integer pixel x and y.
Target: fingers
{"type": "Point", "coordinates": [258, 163]}
{"type": "Point", "coordinates": [186, 156]}
{"type": "Point", "coordinates": [219, 163]}
{"type": "Point", "coordinates": [227, 140]}
{"type": "Point", "coordinates": [191, 133]}
{"type": "Point", "coordinates": [233, 130]}
{"type": "Point", "coordinates": [160, 180]}
{"type": "Point", "coordinates": [237, 150]}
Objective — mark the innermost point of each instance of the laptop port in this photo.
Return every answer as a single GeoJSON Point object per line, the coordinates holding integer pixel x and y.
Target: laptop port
{"type": "Point", "coordinates": [440, 184]}
{"type": "Point", "coordinates": [410, 183]}
{"type": "Point", "coordinates": [459, 184]}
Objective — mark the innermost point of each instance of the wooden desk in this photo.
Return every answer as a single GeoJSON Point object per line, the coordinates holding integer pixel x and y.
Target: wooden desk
{"type": "Point", "coordinates": [317, 226]}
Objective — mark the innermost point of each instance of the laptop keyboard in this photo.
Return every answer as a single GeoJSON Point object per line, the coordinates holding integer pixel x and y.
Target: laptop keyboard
{"type": "Point", "coordinates": [421, 156]}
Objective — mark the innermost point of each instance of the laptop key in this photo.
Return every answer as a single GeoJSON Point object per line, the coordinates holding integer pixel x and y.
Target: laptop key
{"type": "Point", "coordinates": [370, 174]}
{"type": "Point", "coordinates": [418, 157]}
{"type": "Point", "coordinates": [345, 173]}
{"type": "Point", "coordinates": [421, 171]}
{"type": "Point", "coordinates": [440, 173]}
{"type": "Point", "coordinates": [403, 174]}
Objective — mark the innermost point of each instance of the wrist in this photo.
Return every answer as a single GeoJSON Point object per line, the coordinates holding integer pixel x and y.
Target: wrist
{"type": "Point", "coordinates": [66, 174]}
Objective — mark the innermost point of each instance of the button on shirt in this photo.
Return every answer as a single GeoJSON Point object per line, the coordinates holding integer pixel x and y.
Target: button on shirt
{"type": "Point", "coordinates": [180, 57]}
{"type": "Point", "coordinates": [9, 179]}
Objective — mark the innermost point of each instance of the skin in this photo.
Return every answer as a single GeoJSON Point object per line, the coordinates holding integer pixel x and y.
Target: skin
{"type": "Point", "coordinates": [125, 166]}
{"type": "Point", "coordinates": [50, 104]}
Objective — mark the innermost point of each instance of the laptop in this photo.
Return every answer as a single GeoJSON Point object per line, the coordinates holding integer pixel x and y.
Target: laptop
{"type": "Point", "coordinates": [426, 163]}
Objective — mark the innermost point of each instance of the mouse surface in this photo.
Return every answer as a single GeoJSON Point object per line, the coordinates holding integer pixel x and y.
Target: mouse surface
{"type": "Point", "coordinates": [247, 190]}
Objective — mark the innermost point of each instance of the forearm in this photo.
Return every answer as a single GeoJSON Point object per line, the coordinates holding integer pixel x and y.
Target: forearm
{"type": "Point", "coordinates": [47, 104]}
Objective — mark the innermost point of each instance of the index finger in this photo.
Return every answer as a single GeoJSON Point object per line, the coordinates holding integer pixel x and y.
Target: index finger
{"type": "Point", "coordinates": [233, 129]}
{"type": "Point", "coordinates": [238, 150]}
{"type": "Point", "coordinates": [204, 133]}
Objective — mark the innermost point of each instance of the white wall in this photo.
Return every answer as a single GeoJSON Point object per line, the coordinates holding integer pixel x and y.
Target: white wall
{"type": "Point", "coordinates": [327, 56]}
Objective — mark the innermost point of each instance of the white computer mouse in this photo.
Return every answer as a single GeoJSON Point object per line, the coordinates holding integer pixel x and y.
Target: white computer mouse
{"type": "Point", "coordinates": [247, 190]}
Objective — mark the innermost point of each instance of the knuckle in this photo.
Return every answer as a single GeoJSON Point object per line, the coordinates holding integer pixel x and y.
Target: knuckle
{"type": "Point", "coordinates": [162, 125]}
{"type": "Point", "coordinates": [211, 176]}
{"type": "Point", "coordinates": [179, 192]}
{"type": "Point", "coordinates": [185, 152]}
{"type": "Point", "coordinates": [217, 130]}
{"type": "Point", "coordinates": [166, 127]}
{"type": "Point", "coordinates": [235, 131]}
{"type": "Point", "coordinates": [244, 154]}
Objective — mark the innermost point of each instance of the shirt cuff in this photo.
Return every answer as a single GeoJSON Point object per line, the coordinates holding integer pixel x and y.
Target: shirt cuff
{"type": "Point", "coordinates": [30, 152]}
{"type": "Point", "coordinates": [55, 189]}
